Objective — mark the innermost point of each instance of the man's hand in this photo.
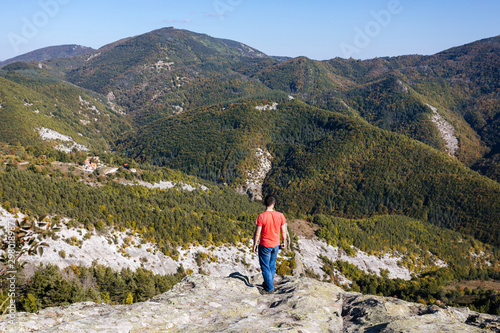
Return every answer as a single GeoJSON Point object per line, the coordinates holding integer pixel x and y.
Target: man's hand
{"type": "Point", "coordinates": [284, 234]}
{"type": "Point", "coordinates": [256, 237]}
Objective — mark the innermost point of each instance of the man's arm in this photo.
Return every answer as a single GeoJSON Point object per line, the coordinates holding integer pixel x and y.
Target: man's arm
{"type": "Point", "coordinates": [256, 237]}
{"type": "Point", "coordinates": [283, 235]}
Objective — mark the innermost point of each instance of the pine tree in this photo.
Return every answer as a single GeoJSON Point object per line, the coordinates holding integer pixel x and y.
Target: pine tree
{"type": "Point", "coordinates": [30, 303]}
{"type": "Point", "coordinates": [129, 299]}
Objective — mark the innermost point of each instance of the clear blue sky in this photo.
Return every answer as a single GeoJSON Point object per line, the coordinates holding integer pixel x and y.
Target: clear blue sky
{"type": "Point", "coordinates": [320, 29]}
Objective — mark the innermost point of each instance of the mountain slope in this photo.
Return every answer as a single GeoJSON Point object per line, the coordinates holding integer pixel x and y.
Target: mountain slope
{"type": "Point", "coordinates": [193, 78]}
{"type": "Point", "coordinates": [324, 162]}
{"type": "Point", "coordinates": [464, 81]}
{"type": "Point", "coordinates": [461, 82]}
{"type": "Point", "coordinates": [37, 106]}
{"type": "Point", "coordinates": [51, 52]}
{"type": "Point", "coordinates": [360, 170]}
{"type": "Point", "coordinates": [167, 70]}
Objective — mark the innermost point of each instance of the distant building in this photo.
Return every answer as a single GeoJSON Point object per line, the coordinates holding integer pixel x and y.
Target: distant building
{"type": "Point", "coordinates": [90, 165]}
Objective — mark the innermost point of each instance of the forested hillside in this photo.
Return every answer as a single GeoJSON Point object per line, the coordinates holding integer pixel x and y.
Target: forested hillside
{"type": "Point", "coordinates": [205, 106]}
{"type": "Point", "coordinates": [167, 71]}
{"type": "Point", "coordinates": [33, 181]}
{"type": "Point", "coordinates": [168, 218]}
{"type": "Point", "coordinates": [392, 92]}
{"type": "Point", "coordinates": [359, 170]}
{"type": "Point", "coordinates": [325, 162]}
{"type": "Point", "coordinates": [32, 98]}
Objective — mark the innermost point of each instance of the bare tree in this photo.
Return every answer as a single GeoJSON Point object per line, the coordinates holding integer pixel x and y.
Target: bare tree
{"type": "Point", "coordinates": [24, 238]}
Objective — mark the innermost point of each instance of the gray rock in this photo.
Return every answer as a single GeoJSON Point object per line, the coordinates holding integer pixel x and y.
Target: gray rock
{"type": "Point", "coordinates": [202, 303]}
{"type": "Point", "coordinates": [365, 313]}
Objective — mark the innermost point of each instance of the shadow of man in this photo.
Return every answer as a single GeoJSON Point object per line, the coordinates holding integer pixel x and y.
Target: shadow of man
{"type": "Point", "coordinates": [239, 276]}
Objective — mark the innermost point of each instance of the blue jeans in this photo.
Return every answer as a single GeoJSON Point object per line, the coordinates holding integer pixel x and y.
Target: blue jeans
{"type": "Point", "coordinates": [267, 260]}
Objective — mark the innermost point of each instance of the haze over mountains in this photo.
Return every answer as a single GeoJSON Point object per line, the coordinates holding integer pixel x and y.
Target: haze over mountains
{"type": "Point", "coordinates": [406, 144]}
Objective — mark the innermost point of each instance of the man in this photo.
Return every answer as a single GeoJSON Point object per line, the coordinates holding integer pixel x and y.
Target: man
{"type": "Point", "coordinates": [268, 229]}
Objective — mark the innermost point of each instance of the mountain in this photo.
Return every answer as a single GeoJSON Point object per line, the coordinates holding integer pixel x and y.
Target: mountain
{"type": "Point", "coordinates": [47, 53]}
{"type": "Point", "coordinates": [448, 100]}
{"type": "Point", "coordinates": [36, 106]}
{"type": "Point", "coordinates": [203, 303]}
{"type": "Point", "coordinates": [219, 109]}
{"type": "Point", "coordinates": [167, 71]}
{"type": "Point", "coordinates": [393, 93]}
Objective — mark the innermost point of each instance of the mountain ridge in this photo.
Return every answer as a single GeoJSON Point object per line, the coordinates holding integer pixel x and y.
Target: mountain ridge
{"type": "Point", "coordinates": [49, 52]}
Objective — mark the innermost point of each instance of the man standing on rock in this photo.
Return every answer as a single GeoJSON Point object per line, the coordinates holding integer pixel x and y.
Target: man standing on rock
{"type": "Point", "coordinates": [268, 229]}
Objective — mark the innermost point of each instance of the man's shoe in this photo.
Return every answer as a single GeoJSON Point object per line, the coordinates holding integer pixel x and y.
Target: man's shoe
{"type": "Point", "coordinates": [265, 292]}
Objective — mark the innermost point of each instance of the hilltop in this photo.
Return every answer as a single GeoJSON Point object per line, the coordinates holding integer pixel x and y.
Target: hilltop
{"type": "Point", "coordinates": [234, 304]}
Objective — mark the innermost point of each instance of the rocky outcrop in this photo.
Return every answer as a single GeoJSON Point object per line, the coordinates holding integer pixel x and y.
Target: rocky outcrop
{"type": "Point", "coordinates": [446, 130]}
{"type": "Point", "coordinates": [202, 303]}
{"type": "Point", "coordinates": [255, 177]}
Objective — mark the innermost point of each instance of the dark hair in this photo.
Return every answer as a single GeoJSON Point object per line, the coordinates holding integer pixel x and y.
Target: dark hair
{"type": "Point", "coordinates": [269, 200]}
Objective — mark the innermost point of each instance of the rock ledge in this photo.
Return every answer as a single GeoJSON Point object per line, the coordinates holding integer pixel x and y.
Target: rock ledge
{"type": "Point", "coordinates": [202, 303]}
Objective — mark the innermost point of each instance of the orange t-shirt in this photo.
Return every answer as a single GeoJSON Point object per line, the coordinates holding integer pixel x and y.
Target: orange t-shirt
{"type": "Point", "coordinates": [271, 223]}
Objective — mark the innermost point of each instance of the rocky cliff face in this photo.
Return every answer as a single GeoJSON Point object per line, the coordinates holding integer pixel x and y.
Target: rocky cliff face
{"type": "Point", "coordinates": [202, 303]}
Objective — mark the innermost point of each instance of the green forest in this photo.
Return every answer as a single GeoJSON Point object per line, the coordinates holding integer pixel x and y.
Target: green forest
{"type": "Point", "coordinates": [50, 286]}
{"type": "Point", "coordinates": [325, 162]}
{"type": "Point", "coordinates": [168, 218]}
